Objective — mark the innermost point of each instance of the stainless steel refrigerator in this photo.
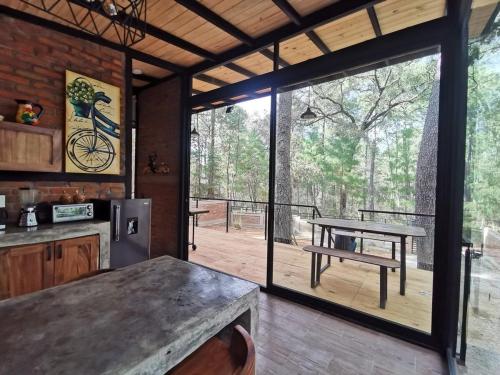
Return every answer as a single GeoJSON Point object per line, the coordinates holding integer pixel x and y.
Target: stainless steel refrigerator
{"type": "Point", "coordinates": [130, 221]}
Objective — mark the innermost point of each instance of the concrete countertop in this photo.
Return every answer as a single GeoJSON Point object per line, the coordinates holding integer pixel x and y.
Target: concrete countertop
{"type": "Point", "coordinates": [141, 319]}
{"type": "Point", "coordinates": [17, 236]}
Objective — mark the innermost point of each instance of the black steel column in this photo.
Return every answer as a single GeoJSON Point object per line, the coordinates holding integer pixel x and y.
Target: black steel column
{"type": "Point", "coordinates": [272, 172]}
{"type": "Point", "coordinates": [128, 125]}
{"type": "Point", "coordinates": [185, 124]}
{"type": "Point", "coordinates": [450, 175]}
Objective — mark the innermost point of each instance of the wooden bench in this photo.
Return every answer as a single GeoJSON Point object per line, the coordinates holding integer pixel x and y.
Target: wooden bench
{"type": "Point", "coordinates": [369, 236]}
{"type": "Point", "coordinates": [383, 263]}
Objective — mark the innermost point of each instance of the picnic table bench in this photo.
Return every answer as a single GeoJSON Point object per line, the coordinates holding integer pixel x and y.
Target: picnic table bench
{"type": "Point", "coordinates": [383, 263]}
{"type": "Point", "coordinates": [369, 236]}
{"type": "Point", "coordinates": [371, 228]}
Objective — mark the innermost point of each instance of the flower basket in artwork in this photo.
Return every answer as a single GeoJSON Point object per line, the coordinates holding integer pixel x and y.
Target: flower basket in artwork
{"type": "Point", "coordinates": [81, 95]}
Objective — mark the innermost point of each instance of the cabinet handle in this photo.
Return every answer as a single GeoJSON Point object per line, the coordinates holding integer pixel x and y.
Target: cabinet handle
{"type": "Point", "coordinates": [49, 253]}
{"type": "Point", "coordinates": [59, 252]}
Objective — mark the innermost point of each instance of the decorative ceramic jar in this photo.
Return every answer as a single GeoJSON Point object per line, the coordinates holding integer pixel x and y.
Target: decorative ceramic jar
{"type": "Point", "coordinates": [66, 198]}
{"type": "Point", "coordinates": [26, 114]}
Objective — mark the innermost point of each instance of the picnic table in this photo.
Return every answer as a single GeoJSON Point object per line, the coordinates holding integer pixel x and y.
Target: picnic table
{"type": "Point", "coordinates": [194, 212]}
{"type": "Point", "coordinates": [392, 230]}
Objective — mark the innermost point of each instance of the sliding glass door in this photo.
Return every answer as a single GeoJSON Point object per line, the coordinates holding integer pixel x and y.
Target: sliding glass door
{"type": "Point", "coordinates": [356, 177]}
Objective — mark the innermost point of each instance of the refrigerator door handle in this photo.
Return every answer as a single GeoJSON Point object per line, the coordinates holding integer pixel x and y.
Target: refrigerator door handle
{"type": "Point", "coordinates": [116, 232]}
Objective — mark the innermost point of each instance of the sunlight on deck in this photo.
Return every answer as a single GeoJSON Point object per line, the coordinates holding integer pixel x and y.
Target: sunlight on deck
{"type": "Point", "coordinates": [352, 284]}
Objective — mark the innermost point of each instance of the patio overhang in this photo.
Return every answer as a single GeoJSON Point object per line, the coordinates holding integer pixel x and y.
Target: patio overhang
{"type": "Point", "coordinates": [227, 43]}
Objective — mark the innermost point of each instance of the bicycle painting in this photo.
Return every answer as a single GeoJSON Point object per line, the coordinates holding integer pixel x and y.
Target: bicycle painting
{"type": "Point", "coordinates": [92, 125]}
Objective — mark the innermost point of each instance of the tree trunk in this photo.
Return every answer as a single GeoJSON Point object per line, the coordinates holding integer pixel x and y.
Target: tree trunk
{"type": "Point", "coordinates": [425, 184]}
{"type": "Point", "coordinates": [211, 157]}
{"type": "Point", "coordinates": [371, 185]}
{"type": "Point", "coordinates": [283, 218]}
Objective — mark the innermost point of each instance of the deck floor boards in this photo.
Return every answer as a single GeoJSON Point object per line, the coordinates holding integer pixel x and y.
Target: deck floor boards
{"type": "Point", "coordinates": [352, 284]}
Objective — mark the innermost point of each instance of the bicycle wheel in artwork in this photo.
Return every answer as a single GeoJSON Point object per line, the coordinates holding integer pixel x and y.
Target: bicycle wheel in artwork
{"type": "Point", "coordinates": [92, 125]}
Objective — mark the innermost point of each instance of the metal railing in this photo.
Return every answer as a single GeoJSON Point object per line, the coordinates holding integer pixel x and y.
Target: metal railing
{"type": "Point", "coordinates": [229, 209]}
{"type": "Point", "coordinates": [315, 212]}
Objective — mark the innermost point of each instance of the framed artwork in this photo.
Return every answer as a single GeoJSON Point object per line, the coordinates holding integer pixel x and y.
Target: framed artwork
{"type": "Point", "coordinates": [92, 125]}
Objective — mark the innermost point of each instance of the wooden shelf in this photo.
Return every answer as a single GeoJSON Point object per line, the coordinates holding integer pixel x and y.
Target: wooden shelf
{"type": "Point", "coordinates": [30, 148]}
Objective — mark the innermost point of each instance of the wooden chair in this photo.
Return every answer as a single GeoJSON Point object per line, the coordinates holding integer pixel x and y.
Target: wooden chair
{"type": "Point", "coordinates": [90, 274]}
{"type": "Point", "coordinates": [217, 358]}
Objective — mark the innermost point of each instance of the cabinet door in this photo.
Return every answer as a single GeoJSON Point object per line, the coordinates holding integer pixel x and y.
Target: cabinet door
{"type": "Point", "coordinates": [75, 257]}
{"type": "Point", "coordinates": [26, 269]}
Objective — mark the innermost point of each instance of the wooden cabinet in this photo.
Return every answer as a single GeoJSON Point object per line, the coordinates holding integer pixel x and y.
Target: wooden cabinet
{"type": "Point", "coordinates": [26, 269]}
{"type": "Point", "coordinates": [30, 148]}
{"type": "Point", "coordinates": [75, 257]}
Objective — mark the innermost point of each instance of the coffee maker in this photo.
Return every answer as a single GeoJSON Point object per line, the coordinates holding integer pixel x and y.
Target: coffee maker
{"type": "Point", "coordinates": [3, 213]}
{"type": "Point", "coordinates": [27, 216]}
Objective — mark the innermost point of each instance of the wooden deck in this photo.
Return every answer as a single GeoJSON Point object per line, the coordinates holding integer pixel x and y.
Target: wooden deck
{"type": "Point", "coordinates": [352, 284]}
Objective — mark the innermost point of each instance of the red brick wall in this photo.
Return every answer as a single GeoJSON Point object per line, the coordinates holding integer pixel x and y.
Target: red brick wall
{"type": "Point", "coordinates": [50, 191]}
{"type": "Point", "coordinates": [33, 61]}
{"type": "Point", "coordinates": [159, 132]}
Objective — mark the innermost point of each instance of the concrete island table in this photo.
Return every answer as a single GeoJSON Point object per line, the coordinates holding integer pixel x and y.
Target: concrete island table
{"type": "Point", "coordinates": [396, 230]}
{"type": "Point", "coordinates": [141, 319]}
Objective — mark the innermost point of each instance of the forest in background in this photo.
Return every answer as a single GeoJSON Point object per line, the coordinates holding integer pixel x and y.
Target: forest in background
{"type": "Point", "coordinates": [373, 145]}
{"type": "Point", "coordinates": [360, 152]}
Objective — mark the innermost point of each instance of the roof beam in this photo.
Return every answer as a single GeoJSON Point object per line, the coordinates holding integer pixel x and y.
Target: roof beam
{"type": "Point", "coordinates": [318, 42]}
{"type": "Point", "coordinates": [153, 31]}
{"type": "Point", "coordinates": [374, 20]}
{"type": "Point", "coordinates": [491, 21]}
{"type": "Point", "coordinates": [211, 80]}
{"type": "Point", "coordinates": [144, 77]}
{"type": "Point", "coordinates": [289, 10]}
{"type": "Point", "coordinates": [216, 20]}
{"type": "Point", "coordinates": [322, 16]}
{"type": "Point", "coordinates": [56, 26]}
{"type": "Point", "coordinates": [295, 17]}
{"type": "Point", "coordinates": [171, 39]}
{"type": "Point", "coordinates": [410, 40]}
{"type": "Point", "coordinates": [270, 55]}
{"type": "Point", "coordinates": [240, 69]}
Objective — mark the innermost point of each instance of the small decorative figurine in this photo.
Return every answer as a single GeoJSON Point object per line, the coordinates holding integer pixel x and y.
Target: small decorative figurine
{"type": "Point", "coordinates": [26, 114]}
{"type": "Point", "coordinates": [154, 167]}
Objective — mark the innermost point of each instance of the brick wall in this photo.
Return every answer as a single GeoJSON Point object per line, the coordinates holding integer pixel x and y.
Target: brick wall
{"type": "Point", "coordinates": [159, 132]}
{"type": "Point", "coordinates": [50, 191]}
{"type": "Point", "coordinates": [33, 61]}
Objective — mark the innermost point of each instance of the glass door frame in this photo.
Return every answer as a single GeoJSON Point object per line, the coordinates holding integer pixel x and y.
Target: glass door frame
{"type": "Point", "coordinates": [449, 35]}
{"type": "Point", "coordinates": [350, 60]}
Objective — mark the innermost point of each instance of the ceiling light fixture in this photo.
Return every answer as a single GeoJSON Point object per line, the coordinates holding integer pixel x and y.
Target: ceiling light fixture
{"type": "Point", "coordinates": [122, 20]}
{"type": "Point", "coordinates": [308, 114]}
{"type": "Point", "coordinates": [194, 132]}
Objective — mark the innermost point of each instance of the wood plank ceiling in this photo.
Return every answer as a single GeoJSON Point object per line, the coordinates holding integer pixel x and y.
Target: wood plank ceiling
{"type": "Point", "coordinates": [227, 41]}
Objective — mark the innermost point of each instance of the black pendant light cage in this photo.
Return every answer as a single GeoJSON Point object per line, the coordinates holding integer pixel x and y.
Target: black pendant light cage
{"type": "Point", "coordinates": [123, 22]}
{"type": "Point", "coordinates": [308, 114]}
{"type": "Point", "coordinates": [194, 132]}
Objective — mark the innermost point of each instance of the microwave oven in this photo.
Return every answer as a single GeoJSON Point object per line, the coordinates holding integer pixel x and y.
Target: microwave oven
{"type": "Point", "coordinates": [72, 212]}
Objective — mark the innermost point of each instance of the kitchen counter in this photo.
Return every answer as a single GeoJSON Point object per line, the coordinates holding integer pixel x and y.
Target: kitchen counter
{"type": "Point", "coordinates": [16, 236]}
{"type": "Point", "coordinates": [142, 319]}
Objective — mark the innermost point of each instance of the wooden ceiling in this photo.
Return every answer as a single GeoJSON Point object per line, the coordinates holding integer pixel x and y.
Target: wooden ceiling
{"type": "Point", "coordinates": [227, 41]}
